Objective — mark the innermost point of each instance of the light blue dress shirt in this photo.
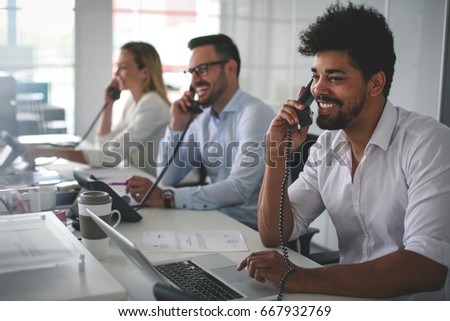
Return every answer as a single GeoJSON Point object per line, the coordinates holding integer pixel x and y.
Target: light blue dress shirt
{"type": "Point", "coordinates": [232, 151]}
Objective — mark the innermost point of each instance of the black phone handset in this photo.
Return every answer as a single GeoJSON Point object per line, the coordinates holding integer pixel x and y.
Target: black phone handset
{"type": "Point", "coordinates": [306, 98]}
{"type": "Point", "coordinates": [305, 117]}
{"type": "Point", "coordinates": [196, 108]}
{"type": "Point", "coordinates": [113, 93]}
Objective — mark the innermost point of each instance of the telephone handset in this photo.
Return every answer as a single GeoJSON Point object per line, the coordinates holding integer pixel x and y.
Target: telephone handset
{"type": "Point", "coordinates": [196, 108]}
{"type": "Point", "coordinates": [113, 93]}
{"type": "Point", "coordinates": [306, 98]}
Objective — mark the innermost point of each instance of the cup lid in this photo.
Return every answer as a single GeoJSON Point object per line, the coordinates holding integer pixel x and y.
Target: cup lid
{"type": "Point", "coordinates": [94, 198]}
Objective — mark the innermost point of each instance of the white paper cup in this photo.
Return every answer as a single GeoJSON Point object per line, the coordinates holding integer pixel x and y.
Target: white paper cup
{"type": "Point", "coordinates": [92, 236]}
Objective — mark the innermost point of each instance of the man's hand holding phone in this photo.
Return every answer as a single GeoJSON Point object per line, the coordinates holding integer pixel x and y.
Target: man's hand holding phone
{"type": "Point", "coordinates": [182, 110]}
{"type": "Point", "coordinates": [292, 114]}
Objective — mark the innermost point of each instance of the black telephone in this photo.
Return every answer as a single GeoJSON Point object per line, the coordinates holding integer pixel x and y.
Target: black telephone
{"type": "Point", "coordinates": [306, 98]}
{"type": "Point", "coordinates": [89, 182]}
{"type": "Point", "coordinates": [196, 108]}
{"type": "Point", "coordinates": [113, 93]}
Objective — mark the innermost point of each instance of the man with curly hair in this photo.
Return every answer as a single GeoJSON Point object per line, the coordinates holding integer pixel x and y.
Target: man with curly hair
{"type": "Point", "coordinates": [381, 172]}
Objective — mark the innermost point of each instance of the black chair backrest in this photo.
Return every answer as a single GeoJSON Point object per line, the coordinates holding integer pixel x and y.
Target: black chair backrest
{"type": "Point", "coordinates": [300, 156]}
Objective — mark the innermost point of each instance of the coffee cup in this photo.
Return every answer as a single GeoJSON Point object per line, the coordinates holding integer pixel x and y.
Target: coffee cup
{"type": "Point", "coordinates": [92, 236]}
{"type": "Point", "coordinates": [39, 198]}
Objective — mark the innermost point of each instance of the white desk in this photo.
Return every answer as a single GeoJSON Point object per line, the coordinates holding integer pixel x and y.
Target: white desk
{"type": "Point", "coordinates": [140, 288]}
{"type": "Point", "coordinates": [59, 282]}
{"type": "Point", "coordinates": [137, 284]}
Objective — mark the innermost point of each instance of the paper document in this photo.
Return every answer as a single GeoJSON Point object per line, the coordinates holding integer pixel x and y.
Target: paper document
{"type": "Point", "coordinates": [199, 241]}
{"type": "Point", "coordinates": [31, 243]}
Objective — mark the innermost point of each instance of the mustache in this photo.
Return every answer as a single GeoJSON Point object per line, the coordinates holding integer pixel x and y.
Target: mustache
{"type": "Point", "coordinates": [329, 99]}
{"type": "Point", "coordinates": [201, 83]}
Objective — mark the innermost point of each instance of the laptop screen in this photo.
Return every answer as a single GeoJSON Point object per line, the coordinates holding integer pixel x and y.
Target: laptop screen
{"type": "Point", "coordinates": [10, 151]}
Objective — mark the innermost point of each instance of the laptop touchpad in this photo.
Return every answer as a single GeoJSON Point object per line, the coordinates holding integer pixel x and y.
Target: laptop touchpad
{"type": "Point", "coordinates": [230, 274]}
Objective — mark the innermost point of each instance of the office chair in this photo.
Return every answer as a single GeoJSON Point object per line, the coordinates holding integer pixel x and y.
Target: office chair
{"type": "Point", "coordinates": [303, 243]}
{"type": "Point", "coordinates": [8, 110]}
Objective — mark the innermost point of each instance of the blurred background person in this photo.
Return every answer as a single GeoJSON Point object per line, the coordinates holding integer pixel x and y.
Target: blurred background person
{"type": "Point", "coordinates": [135, 137]}
{"type": "Point", "coordinates": [227, 138]}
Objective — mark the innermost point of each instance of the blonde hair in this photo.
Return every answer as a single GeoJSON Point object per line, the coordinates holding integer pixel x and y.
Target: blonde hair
{"type": "Point", "coordinates": [146, 56]}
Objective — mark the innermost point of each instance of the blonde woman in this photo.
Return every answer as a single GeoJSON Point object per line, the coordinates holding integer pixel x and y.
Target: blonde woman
{"type": "Point", "coordinates": [135, 138]}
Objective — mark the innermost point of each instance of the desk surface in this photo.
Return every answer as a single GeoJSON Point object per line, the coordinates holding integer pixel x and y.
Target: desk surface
{"type": "Point", "coordinates": [59, 281]}
{"type": "Point", "coordinates": [133, 280]}
{"type": "Point", "coordinates": [139, 287]}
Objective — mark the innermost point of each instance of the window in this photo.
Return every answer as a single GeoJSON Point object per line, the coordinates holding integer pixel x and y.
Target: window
{"type": "Point", "coordinates": [37, 46]}
{"type": "Point", "coordinates": [167, 25]}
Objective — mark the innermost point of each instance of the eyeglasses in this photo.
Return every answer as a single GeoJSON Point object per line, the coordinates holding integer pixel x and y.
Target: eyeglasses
{"type": "Point", "coordinates": [202, 70]}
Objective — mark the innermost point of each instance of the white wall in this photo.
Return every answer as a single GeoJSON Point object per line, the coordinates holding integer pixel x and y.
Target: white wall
{"type": "Point", "coordinates": [93, 59]}
{"type": "Point", "coordinates": [418, 28]}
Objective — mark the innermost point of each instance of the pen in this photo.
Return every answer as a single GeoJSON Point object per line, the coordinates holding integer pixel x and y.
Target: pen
{"type": "Point", "coordinates": [118, 183]}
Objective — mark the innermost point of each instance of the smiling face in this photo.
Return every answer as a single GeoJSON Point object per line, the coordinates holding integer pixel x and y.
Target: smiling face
{"type": "Point", "coordinates": [220, 82]}
{"type": "Point", "coordinates": [339, 88]}
{"type": "Point", "coordinates": [128, 73]}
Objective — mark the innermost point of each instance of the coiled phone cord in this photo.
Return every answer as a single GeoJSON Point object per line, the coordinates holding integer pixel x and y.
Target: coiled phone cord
{"type": "Point", "coordinates": [284, 249]}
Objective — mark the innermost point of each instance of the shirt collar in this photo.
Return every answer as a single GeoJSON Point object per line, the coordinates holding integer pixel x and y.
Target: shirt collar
{"type": "Point", "coordinates": [384, 130]}
{"type": "Point", "coordinates": [385, 127]}
{"type": "Point", "coordinates": [232, 105]}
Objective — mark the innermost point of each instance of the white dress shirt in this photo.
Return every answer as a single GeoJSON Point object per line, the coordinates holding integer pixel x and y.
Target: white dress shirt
{"type": "Point", "coordinates": [231, 148]}
{"type": "Point", "coordinates": [399, 197]}
{"type": "Point", "coordinates": [144, 122]}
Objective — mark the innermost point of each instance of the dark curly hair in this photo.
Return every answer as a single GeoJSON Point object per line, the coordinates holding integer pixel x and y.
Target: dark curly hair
{"type": "Point", "coordinates": [362, 32]}
{"type": "Point", "coordinates": [224, 46]}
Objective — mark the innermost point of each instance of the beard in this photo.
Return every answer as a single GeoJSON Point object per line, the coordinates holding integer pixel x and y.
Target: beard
{"type": "Point", "coordinates": [342, 119]}
{"type": "Point", "coordinates": [218, 90]}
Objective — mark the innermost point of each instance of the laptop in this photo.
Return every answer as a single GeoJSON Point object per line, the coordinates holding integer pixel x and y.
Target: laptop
{"type": "Point", "coordinates": [237, 285]}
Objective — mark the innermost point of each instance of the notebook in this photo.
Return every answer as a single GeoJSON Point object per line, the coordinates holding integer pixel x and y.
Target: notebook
{"type": "Point", "coordinates": [214, 265]}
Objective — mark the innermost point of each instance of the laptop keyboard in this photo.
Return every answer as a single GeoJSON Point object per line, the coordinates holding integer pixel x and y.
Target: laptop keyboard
{"type": "Point", "coordinates": [191, 278]}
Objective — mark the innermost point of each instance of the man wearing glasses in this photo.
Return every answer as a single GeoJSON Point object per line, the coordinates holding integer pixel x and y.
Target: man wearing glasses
{"type": "Point", "coordinates": [227, 138]}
